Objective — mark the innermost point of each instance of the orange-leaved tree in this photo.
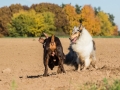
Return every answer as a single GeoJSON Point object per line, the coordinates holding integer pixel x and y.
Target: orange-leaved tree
{"type": "Point", "coordinates": [89, 20]}
{"type": "Point", "coordinates": [72, 17]}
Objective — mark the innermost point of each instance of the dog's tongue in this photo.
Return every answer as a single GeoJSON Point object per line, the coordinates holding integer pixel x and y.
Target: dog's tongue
{"type": "Point", "coordinates": [74, 40]}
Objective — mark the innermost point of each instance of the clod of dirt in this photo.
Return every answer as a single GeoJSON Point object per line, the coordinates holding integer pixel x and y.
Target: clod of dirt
{"type": "Point", "coordinates": [103, 67]}
{"type": "Point", "coordinates": [20, 76]}
{"type": "Point", "coordinates": [7, 70]}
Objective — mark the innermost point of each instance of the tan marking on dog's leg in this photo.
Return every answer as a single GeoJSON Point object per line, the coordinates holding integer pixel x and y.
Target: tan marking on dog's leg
{"type": "Point", "coordinates": [79, 67]}
{"type": "Point", "coordinates": [93, 62]}
{"type": "Point", "coordinates": [81, 61]}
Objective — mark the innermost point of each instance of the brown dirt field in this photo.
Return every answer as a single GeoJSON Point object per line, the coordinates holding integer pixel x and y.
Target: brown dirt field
{"type": "Point", "coordinates": [21, 65]}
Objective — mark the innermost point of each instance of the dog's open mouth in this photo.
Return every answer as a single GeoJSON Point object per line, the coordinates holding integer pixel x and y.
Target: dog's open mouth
{"type": "Point", "coordinates": [74, 39]}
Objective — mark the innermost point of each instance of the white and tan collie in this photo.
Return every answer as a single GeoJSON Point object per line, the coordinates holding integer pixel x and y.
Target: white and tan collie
{"type": "Point", "coordinates": [82, 43]}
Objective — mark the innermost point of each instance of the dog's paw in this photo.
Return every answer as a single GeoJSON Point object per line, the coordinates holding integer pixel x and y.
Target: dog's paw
{"type": "Point", "coordinates": [84, 69]}
{"type": "Point", "coordinates": [45, 75]}
{"type": "Point", "coordinates": [64, 71]}
{"type": "Point", "coordinates": [59, 71]}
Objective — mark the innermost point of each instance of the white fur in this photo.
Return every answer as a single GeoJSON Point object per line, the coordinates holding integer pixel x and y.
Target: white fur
{"type": "Point", "coordinates": [84, 48]}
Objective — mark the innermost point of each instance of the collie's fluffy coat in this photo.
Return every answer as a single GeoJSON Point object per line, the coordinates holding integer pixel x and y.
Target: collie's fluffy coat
{"type": "Point", "coordinates": [83, 45]}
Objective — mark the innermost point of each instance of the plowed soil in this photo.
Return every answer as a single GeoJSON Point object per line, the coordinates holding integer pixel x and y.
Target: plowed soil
{"type": "Point", "coordinates": [21, 65]}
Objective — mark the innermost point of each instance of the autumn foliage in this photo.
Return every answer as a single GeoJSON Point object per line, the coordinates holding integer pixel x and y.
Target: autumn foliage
{"type": "Point", "coordinates": [30, 23]}
{"type": "Point", "coordinates": [72, 17]}
{"type": "Point", "coordinates": [106, 26]}
{"type": "Point", "coordinates": [90, 21]}
{"type": "Point", "coordinates": [17, 20]}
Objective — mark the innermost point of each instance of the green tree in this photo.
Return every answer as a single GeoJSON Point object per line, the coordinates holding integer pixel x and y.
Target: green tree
{"type": "Point", "coordinates": [62, 5]}
{"type": "Point", "coordinates": [44, 22]}
{"type": "Point", "coordinates": [78, 8]}
{"type": "Point", "coordinates": [60, 16]}
{"type": "Point", "coordinates": [111, 18]}
{"type": "Point", "coordinates": [97, 10]}
{"type": "Point", "coordinates": [107, 29]}
{"type": "Point", "coordinates": [20, 25]}
{"type": "Point", "coordinates": [30, 23]}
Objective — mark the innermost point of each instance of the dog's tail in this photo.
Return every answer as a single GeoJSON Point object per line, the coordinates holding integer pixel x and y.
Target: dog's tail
{"type": "Point", "coordinates": [52, 43]}
{"type": "Point", "coordinates": [94, 47]}
{"type": "Point", "coordinates": [71, 57]}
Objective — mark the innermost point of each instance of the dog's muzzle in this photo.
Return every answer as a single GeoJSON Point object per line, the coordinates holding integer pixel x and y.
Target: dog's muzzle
{"type": "Point", "coordinates": [53, 54]}
{"type": "Point", "coordinates": [73, 40]}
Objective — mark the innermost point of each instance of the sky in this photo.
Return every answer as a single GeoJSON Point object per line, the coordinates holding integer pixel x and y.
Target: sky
{"type": "Point", "coordinates": [108, 6]}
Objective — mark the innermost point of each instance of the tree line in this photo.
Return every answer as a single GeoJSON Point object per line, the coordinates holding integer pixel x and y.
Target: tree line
{"type": "Point", "coordinates": [17, 20]}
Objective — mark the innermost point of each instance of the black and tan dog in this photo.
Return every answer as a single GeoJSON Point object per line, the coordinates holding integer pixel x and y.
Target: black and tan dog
{"type": "Point", "coordinates": [53, 54]}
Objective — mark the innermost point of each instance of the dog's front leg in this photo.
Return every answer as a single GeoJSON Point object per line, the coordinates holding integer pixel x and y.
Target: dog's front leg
{"type": "Point", "coordinates": [46, 60]}
{"type": "Point", "coordinates": [87, 63]}
{"type": "Point", "coordinates": [80, 63]}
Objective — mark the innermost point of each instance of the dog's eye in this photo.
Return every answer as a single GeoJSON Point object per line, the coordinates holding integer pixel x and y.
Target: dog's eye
{"type": "Point", "coordinates": [75, 33]}
{"type": "Point", "coordinates": [79, 31]}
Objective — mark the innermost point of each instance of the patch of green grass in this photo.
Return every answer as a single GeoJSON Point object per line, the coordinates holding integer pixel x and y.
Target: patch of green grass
{"type": "Point", "coordinates": [103, 85]}
{"type": "Point", "coordinates": [13, 86]}
{"type": "Point", "coordinates": [106, 36]}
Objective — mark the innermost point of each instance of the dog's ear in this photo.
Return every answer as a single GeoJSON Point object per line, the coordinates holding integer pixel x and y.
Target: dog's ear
{"type": "Point", "coordinates": [41, 40]}
{"type": "Point", "coordinates": [80, 28]}
{"type": "Point", "coordinates": [52, 39]}
{"type": "Point", "coordinates": [46, 35]}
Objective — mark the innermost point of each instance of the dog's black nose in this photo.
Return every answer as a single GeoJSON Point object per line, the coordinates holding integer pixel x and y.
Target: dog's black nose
{"type": "Point", "coordinates": [70, 39]}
